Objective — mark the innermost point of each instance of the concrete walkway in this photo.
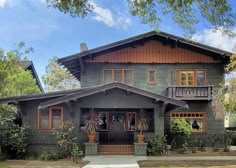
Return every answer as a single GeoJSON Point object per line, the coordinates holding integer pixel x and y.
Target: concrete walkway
{"type": "Point", "coordinates": [191, 158]}
{"type": "Point", "coordinates": [116, 161]}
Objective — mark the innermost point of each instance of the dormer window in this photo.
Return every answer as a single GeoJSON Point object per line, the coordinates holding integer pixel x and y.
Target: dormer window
{"type": "Point", "coordinates": [119, 75]}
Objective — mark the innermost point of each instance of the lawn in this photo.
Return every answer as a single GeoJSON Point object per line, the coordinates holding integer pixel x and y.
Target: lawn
{"type": "Point", "coordinates": [66, 163]}
{"type": "Point", "coordinates": [187, 163]}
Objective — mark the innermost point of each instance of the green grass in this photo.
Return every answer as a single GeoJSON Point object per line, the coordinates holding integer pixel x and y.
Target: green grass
{"type": "Point", "coordinates": [3, 165]}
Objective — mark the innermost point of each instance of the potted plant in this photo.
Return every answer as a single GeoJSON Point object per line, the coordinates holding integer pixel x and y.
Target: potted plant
{"type": "Point", "coordinates": [92, 124]}
{"type": "Point", "coordinates": [141, 126]}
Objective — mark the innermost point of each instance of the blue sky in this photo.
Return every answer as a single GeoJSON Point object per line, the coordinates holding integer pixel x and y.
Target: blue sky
{"type": "Point", "coordinates": [52, 33]}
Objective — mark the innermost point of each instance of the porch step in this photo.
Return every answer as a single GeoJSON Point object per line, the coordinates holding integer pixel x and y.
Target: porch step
{"type": "Point", "coordinates": [113, 149]}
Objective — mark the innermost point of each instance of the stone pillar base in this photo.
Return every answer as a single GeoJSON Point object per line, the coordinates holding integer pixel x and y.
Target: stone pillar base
{"type": "Point", "coordinates": [91, 149]}
{"type": "Point", "coordinates": [140, 149]}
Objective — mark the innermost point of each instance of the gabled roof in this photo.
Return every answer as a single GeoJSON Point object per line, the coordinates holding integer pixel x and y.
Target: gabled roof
{"type": "Point", "coordinates": [30, 66]}
{"type": "Point", "coordinates": [102, 88]}
{"type": "Point", "coordinates": [74, 63]}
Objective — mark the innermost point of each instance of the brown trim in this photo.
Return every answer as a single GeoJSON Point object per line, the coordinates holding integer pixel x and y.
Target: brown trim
{"type": "Point", "coordinates": [194, 76]}
{"type": "Point", "coordinates": [50, 117]}
{"type": "Point", "coordinates": [155, 76]}
{"type": "Point", "coordinates": [191, 115]}
{"type": "Point", "coordinates": [122, 74]}
{"type": "Point", "coordinates": [108, 121]}
{"type": "Point", "coordinates": [127, 118]}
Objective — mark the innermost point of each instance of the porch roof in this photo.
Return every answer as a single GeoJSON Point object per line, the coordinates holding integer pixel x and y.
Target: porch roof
{"type": "Point", "coordinates": [104, 88]}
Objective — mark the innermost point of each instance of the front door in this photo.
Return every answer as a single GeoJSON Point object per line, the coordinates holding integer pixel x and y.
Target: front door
{"type": "Point", "coordinates": [117, 127]}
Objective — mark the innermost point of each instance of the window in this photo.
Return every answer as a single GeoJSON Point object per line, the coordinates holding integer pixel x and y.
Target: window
{"type": "Point", "coordinates": [104, 118]}
{"type": "Point", "coordinates": [131, 121]}
{"type": "Point", "coordinates": [152, 75]}
{"type": "Point", "coordinates": [119, 75]}
{"type": "Point", "coordinates": [191, 77]}
{"type": "Point", "coordinates": [196, 119]}
{"type": "Point", "coordinates": [50, 118]}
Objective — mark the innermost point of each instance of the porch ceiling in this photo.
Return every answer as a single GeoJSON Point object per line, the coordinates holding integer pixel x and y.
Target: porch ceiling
{"type": "Point", "coordinates": [103, 88]}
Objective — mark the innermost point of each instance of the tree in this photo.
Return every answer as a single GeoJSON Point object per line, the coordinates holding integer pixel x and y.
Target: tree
{"type": "Point", "coordinates": [224, 97]}
{"type": "Point", "coordinates": [15, 81]}
{"type": "Point", "coordinates": [216, 13]}
{"type": "Point", "coordinates": [58, 78]}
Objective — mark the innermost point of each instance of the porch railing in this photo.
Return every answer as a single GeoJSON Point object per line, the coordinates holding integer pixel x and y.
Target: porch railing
{"type": "Point", "coordinates": [191, 93]}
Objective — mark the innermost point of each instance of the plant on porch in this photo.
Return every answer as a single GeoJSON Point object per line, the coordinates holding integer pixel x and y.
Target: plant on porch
{"type": "Point", "coordinates": [142, 125]}
{"type": "Point", "coordinates": [92, 124]}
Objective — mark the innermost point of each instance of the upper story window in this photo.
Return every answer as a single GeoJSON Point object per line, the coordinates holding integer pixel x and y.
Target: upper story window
{"type": "Point", "coordinates": [152, 76]}
{"type": "Point", "coordinates": [50, 118]}
{"type": "Point", "coordinates": [192, 77]}
{"type": "Point", "coordinates": [195, 119]}
{"type": "Point", "coordinates": [119, 75]}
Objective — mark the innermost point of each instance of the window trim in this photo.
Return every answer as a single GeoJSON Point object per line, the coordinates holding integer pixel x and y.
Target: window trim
{"type": "Point", "coordinates": [194, 77]}
{"type": "Point", "coordinates": [127, 118]}
{"type": "Point", "coordinates": [108, 121]}
{"type": "Point", "coordinates": [122, 74]}
{"type": "Point", "coordinates": [50, 113]}
{"type": "Point", "coordinates": [203, 119]}
{"type": "Point", "coordinates": [155, 76]}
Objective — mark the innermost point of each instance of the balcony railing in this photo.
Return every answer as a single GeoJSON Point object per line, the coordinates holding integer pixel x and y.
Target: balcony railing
{"type": "Point", "coordinates": [190, 92]}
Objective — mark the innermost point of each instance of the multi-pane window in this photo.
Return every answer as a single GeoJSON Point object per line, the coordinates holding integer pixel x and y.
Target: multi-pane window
{"type": "Point", "coordinates": [131, 121]}
{"type": "Point", "coordinates": [50, 118]}
{"type": "Point", "coordinates": [152, 73]}
{"type": "Point", "coordinates": [195, 119]}
{"type": "Point", "coordinates": [119, 75]}
{"type": "Point", "coordinates": [191, 77]}
{"type": "Point", "coordinates": [104, 121]}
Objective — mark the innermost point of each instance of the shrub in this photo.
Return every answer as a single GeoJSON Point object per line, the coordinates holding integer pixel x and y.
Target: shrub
{"type": "Point", "coordinates": [182, 129]}
{"type": "Point", "coordinates": [157, 145]}
{"type": "Point", "coordinates": [48, 155]}
{"type": "Point", "coordinates": [76, 153]}
{"type": "Point", "coordinates": [65, 137]}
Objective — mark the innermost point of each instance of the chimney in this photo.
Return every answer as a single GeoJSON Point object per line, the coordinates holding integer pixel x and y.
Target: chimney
{"type": "Point", "coordinates": [83, 47]}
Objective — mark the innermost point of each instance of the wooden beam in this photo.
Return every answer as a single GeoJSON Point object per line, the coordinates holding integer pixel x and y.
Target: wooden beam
{"type": "Point", "coordinates": [81, 65]}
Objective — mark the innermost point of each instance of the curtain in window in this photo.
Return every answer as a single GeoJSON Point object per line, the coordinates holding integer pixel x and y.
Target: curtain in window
{"type": "Point", "coordinates": [56, 118]}
{"type": "Point", "coordinates": [44, 119]}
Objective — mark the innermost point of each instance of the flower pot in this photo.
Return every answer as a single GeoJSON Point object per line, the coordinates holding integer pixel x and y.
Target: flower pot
{"type": "Point", "coordinates": [140, 138]}
{"type": "Point", "coordinates": [91, 138]}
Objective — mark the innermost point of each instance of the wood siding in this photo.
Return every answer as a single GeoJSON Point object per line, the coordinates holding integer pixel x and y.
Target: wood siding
{"type": "Point", "coordinates": [153, 52]}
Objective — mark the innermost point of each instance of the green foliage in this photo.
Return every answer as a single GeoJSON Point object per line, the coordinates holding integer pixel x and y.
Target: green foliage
{"type": "Point", "coordinates": [157, 145]}
{"type": "Point", "coordinates": [181, 127]}
{"type": "Point", "coordinates": [15, 81]}
{"type": "Point", "coordinates": [76, 8]}
{"type": "Point", "coordinates": [65, 136]}
{"type": "Point", "coordinates": [76, 153]}
{"type": "Point", "coordinates": [58, 78]}
{"type": "Point", "coordinates": [217, 14]}
{"type": "Point", "coordinates": [92, 122]}
{"type": "Point", "coordinates": [48, 155]}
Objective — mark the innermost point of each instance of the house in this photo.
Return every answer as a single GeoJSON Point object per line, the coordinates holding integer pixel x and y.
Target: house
{"type": "Point", "coordinates": [28, 65]}
{"type": "Point", "coordinates": [160, 74]}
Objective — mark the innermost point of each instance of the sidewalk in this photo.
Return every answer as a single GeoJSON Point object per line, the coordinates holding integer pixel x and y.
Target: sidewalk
{"type": "Point", "coordinates": [129, 161]}
{"type": "Point", "coordinates": [191, 158]}
{"type": "Point", "coordinates": [116, 161]}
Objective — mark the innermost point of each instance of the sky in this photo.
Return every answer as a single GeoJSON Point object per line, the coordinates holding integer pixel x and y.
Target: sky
{"type": "Point", "coordinates": [52, 33]}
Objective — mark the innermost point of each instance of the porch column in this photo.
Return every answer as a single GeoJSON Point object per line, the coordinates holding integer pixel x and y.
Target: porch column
{"type": "Point", "coordinates": [158, 120]}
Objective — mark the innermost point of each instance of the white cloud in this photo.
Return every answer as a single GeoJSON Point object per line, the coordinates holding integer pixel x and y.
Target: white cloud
{"type": "Point", "coordinates": [216, 39]}
{"type": "Point", "coordinates": [110, 19]}
{"type": "Point", "coordinates": [2, 3]}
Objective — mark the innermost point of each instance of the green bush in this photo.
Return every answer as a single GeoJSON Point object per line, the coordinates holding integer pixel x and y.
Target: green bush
{"type": "Point", "coordinates": [157, 145]}
{"type": "Point", "coordinates": [65, 137]}
{"type": "Point", "coordinates": [76, 153]}
{"type": "Point", "coordinates": [48, 155]}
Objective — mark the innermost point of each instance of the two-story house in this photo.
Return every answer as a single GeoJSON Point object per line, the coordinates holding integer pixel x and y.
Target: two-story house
{"type": "Point", "coordinates": [160, 74]}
